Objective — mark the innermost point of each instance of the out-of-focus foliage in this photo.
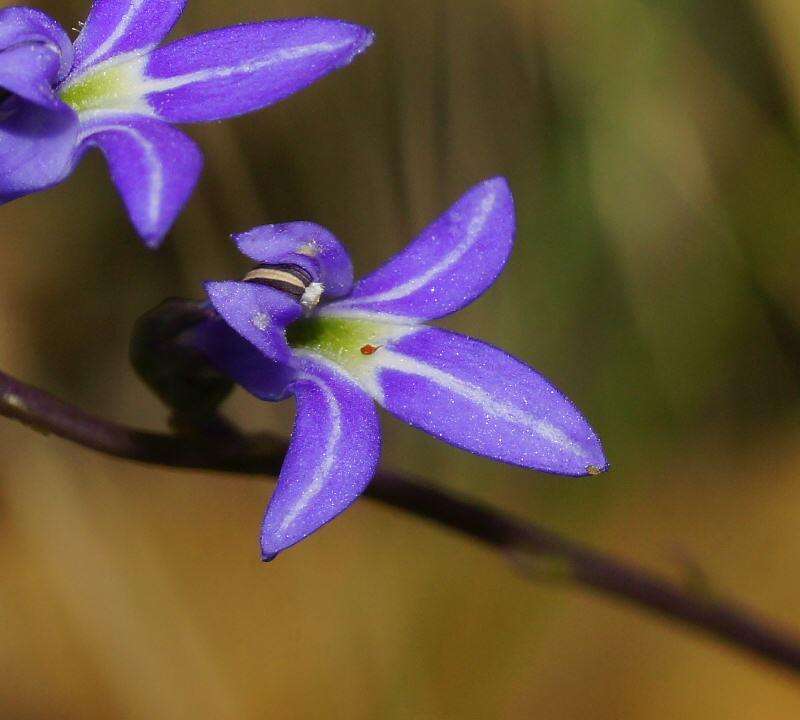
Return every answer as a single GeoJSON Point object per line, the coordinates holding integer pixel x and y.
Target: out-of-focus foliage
{"type": "Point", "coordinates": [653, 149]}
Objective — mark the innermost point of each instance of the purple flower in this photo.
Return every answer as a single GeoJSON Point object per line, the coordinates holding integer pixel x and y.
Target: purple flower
{"type": "Point", "coordinates": [297, 325]}
{"type": "Point", "coordinates": [117, 90]}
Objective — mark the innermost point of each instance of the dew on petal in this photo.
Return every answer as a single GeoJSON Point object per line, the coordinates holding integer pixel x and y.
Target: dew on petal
{"type": "Point", "coordinates": [261, 321]}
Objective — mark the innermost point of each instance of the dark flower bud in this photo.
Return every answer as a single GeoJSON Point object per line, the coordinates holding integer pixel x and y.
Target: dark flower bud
{"type": "Point", "coordinates": [172, 368]}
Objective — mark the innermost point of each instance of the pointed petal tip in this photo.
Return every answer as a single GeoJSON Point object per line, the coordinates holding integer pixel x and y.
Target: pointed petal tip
{"type": "Point", "coordinates": [590, 462]}
{"type": "Point", "coordinates": [587, 458]}
{"type": "Point", "coordinates": [361, 36]}
{"type": "Point", "coordinates": [332, 456]}
{"type": "Point", "coordinates": [595, 470]}
{"type": "Point", "coordinates": [211, 286]}
{"type": "Point", "coordinates": [364, 37]}
{"type": "Point", "coordinates": [154, 167]}
{"type": "Point", "coordinates": [152, 241]}
{"type": "Point", "coordinates": [361, 39]}
{"type": "Point", "coordinates": [501, 188]}
{"type": "Point", "coordinates": [152, 237]}
{"type": "Point", "coordinates": [573, 468]}
{"type": "Point", "coordinates": [499, 182]}
{"type": "Point", "coordinates": [596, 462]}
{"type": "Point", "coordinates": [274, 544]}
{"type": "Point", "coordinates": [213, 289]}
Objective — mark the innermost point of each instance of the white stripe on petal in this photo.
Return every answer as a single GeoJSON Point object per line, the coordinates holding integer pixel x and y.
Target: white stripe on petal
{"type": "Point", "coordinates": [323, 470]}
{"type": "Point", "coordinates": [340, 309]}
{"type": "Point", "coordinates": [411, 286]}
{"type": "Point", "coordinates": [120, 84]}
{"type": "Point", "coordinates": [151, 159]}
{"type": "Point", "coordinates": [389, 360]}
{"type": "Point", "coordinates": [154, 85]}
{"type": "Point", "coordinates": [119, 31]}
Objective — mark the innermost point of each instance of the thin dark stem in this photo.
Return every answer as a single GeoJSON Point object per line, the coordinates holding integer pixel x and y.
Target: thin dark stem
{"type": "Point", "coordinates": [263, 455]}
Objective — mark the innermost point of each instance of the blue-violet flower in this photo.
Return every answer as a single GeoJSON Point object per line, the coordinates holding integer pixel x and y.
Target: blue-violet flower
{"type": "Point", "coordinates": [297, 325]}
{"type": "Point", "coordinates": [117, 90]}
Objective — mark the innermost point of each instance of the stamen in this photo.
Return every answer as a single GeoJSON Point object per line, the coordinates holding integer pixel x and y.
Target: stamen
{"type": "Point", "coordinates": [291, 279]}
{"type": "Point", "coordinates": [370, 349]}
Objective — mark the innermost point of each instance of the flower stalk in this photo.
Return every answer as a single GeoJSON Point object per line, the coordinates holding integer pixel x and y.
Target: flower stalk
{"type": "Point", "coordinates": [263, 455]}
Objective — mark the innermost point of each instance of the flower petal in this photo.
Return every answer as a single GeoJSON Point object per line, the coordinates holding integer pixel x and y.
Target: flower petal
{"type": "Point", "coordinates": [235, 70]}
{"type": "Point", "coordinates": [242, 361]}
{"type": "Point", "coordinates": [449, 265]}
{"type": "Point", "coordinates": [154, 166]}
{"type": "Point", "coordinates": [37, 147]}
{"type": "Point", "coordinates": [310, 246]}
{"type": "Point", "coordinates": [115, 27]}
{"type": "Point", "coordinates": [29, 70]}
{"type": "Point", "coordinates": [479, 398]}
{"type": "Point", "coordinates": [21, 25]}
{"type": "Point", "coordinates": [258, 313]}
{"type": "Point", "coordinates": [332, 456]}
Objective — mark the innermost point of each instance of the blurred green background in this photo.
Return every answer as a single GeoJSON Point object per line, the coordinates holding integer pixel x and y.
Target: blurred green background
{"type": "Point", "coordinates": [652, 146]}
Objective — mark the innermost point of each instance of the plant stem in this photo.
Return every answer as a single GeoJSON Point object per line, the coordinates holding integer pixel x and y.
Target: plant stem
{"type": "Point", "coordinates": [263, 455]}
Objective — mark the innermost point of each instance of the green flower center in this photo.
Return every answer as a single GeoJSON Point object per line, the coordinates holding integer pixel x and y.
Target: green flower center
{"type": "Point", "coordinates": [338, 339]}
{"type": "Point", "coordinates": [109, 87]}
{"type": "Point", "coordinates": [351, 343]}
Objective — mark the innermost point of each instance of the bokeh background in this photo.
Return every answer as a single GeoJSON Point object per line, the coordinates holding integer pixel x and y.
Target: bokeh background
{"type": "Point", "coordinates": [653, 149]}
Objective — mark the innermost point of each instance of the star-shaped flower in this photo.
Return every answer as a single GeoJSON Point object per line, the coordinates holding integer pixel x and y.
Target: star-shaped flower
{"type": "Point", "coordinates": [116, 89]}
{"type": "Point", "coordinates": [367, 343]}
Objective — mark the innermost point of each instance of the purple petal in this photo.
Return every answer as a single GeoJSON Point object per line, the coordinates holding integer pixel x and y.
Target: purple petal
{"type": "Point", "coordinates": [21, 25]}
{"type": "Point", "coordinates": [123, 26]}
{"type": "Point", "coordinates": [29, 70]}
{"type": "Point", "coordinates": [332, 456]}
{"type": "Point", "coordinates": [241, 360]}
{"type": "Point", "coordinates": [479, 398]}
{"type": "Point", "coordinates": [235, 70]}
{"type": "Point", "coordinates": [310, 246]}
{"type": "Point", "coordinates": [258, 313]}
{"type": "Point", "coordinates": [449, 265]}
{"type": "Point", "coordinates": [154, 166]}
{"type": "Point", "coordinates": [37, 147]}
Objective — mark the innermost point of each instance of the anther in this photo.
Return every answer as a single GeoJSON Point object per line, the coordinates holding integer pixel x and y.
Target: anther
{"type": "Point", "coordinates": [370, 349]}
{"type": "Point", "coordinates": [593, 470]}
{"type": "Point", "coordinates": [291, 279]}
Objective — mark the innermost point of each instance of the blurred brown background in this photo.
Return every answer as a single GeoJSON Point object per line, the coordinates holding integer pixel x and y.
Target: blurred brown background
{"type": "Point", "coordinates": [653, 149]}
